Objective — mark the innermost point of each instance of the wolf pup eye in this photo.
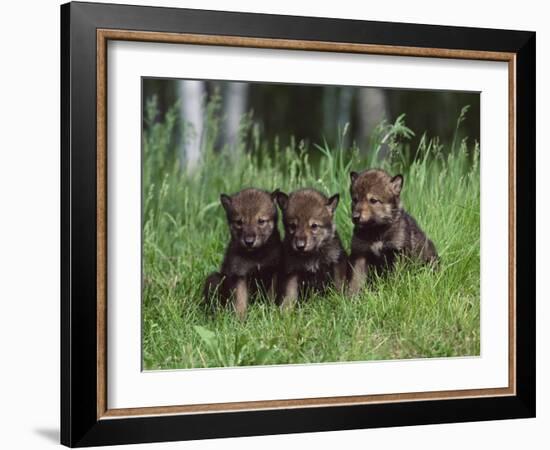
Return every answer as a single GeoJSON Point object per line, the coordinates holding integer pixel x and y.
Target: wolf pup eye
{"type": "Point", "coordinates": [262, 221]}
{"type": "Point", "coordinates": [292, 227]}
{"type": "Point", "coordinates": [314, 226]}
{"type": "Point", "coordinates": [374, 201]}
{"type": "Point", "coordinates": [238, 223]}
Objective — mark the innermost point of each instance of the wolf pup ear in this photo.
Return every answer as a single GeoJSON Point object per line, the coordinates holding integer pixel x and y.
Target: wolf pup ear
{"type": "Point", "coordinates": [274, 195]}
{"type": "Point", "coordinates": [332, 203]}
{"type": "Point", "coordinates": [353, 176]}
{"type": "Point", "coordinates": [226, 202]}
{"type": "Point", "coordinates": [397, 184]}
{"type": "Point", "coordinates": [282, 199]}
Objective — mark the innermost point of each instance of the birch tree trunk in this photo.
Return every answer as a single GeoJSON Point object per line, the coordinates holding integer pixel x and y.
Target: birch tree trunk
{"type": "Point", "coordinates": [372, 108]}
{"type": "Point", "coordinates": [235, 102]}
{"type": "Point", "coordinates": [191, 93]}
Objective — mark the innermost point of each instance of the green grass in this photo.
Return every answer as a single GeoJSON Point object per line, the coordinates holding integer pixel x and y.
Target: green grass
{"type": "Point", "coordinates": [413, 313]}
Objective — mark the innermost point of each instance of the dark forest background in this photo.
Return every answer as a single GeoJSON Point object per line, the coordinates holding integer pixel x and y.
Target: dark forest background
{"type": "Point", "coordinates": [339, 115]}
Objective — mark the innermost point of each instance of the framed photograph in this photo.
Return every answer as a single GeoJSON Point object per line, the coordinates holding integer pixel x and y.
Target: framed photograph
{"type": "Point", "coordinates": [277, 224]}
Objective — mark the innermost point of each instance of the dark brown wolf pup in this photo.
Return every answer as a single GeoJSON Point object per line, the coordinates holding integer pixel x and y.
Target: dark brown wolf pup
{"type": "Point", "coordinates": [383, 229]}
{"type": "Point", "coordinates": [253, 255]}
{"type": "Point", "coordinates": [313, 256]}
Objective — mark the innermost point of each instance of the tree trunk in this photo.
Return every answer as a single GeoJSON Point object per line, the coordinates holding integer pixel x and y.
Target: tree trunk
{"type": "Point", "coordinates": [191, 95]}
{"type": "Point", "coordinates": [235, 103]}
{"type": "Point", "coordinates": [372, 108]}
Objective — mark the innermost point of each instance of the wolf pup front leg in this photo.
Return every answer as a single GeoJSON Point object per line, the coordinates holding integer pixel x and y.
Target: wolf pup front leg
{"type": "Point", "coordinates": [252, 257]}
{"type": "Point", "coordinates": [383, 230]}
{"type": "Point", "coordinates": [313, 256]}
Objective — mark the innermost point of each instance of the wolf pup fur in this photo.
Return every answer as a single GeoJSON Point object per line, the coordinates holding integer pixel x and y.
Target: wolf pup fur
{"type": "Point", "coordinates": [253, 255]}
{"type": "Point", "coordinates": [382, 228]}
{"type": "Point", "coordinates": [313, 256]}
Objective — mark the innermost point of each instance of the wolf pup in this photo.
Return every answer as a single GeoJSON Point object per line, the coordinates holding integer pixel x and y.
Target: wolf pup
{"type": "Point", "coordinates": [313, 256]}
{"type": "Point", "coordinates": [382, 228]}
{"type": "Point", "coordinates": [253, 254]}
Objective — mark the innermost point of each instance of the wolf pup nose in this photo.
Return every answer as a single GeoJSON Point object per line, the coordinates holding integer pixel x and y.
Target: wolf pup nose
{"type": "Point", "coordinates": [383, 229]}
{"type": "Point", "coordinates": [249, 241]}
{"type": "Point", "coordinates": [253, 254]}
{"type": "Point", "coordinates": [313, 256]}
